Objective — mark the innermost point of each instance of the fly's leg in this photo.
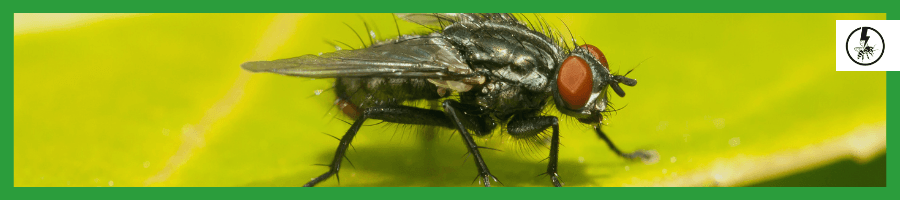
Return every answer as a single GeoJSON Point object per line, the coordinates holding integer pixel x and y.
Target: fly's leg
{"type": "Point", "coordinates": [458, 118]}
{"type": "Point", "coordinates": [396, 114]}
{"type": "Point", "coordinates": [529, 126]}
{"type": "Point", "coordinates": [646, 156]}
{"type": "Point", "coordinates": [339, 154]}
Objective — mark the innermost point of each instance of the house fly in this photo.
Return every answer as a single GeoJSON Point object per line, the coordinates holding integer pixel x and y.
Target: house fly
{"type": "Point", "coordinates": [504, 71]}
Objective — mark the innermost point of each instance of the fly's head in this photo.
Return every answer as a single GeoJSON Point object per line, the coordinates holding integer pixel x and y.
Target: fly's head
{"type": "Point", "coordinates": [581, 83]}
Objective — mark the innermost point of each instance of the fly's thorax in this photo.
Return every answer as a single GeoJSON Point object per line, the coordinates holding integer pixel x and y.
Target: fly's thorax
{"type": "Point", "coordinates": [511, 51]}
{"type": "Point", "coordinates": [516, 61]}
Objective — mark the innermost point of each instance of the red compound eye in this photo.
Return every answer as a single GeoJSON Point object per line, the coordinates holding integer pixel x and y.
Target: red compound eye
{"type": "Point", "coordinates": [575, 82]}
{"type": "Point", "coordinates": [597, 54]}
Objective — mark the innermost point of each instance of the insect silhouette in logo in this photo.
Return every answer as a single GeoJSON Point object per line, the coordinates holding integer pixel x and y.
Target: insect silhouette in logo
{"type": "Point", "coordinates": [504, 71]}
{"type": "Point", "coordinates": [864, 51]}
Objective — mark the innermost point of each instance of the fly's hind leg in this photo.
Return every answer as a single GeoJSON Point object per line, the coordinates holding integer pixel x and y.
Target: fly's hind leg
{"type": "Point", "coordinates": [646, 156]}
{"type": "Point", "coordinates": [395, 114]}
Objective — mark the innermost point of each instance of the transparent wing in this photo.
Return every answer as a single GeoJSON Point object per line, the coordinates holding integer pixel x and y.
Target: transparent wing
{"type": "Point", "coordinates": [430, 57]}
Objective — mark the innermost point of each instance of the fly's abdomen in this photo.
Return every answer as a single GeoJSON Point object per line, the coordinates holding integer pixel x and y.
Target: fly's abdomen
{"type": "Point", "coordinates": [356, 94]}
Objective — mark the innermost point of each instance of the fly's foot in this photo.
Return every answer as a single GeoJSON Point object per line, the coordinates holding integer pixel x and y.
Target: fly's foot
{"type": "Point", "coordinates": [646, 156]}
{"type": "Point", "coordinates": [323, 177]}
{"type": "Point", "coordinates": [554, 178]}
{"type": "Point", "coordinates": [485, 178]}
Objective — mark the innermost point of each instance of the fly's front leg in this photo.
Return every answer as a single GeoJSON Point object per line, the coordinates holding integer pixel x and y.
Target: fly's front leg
{"type": "Point", "coordinates": [396, 114]}
{"type": "Point", "coordinates": [457, 117]}
{"type": "Point", "coordinates": [532, 126]}
{"type": "Point", "coordinates": [646, 156]}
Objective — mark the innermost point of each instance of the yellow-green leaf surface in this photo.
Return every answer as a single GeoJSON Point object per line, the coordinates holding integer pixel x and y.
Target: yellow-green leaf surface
{"type": "Point", "coordinates": [160, 100]}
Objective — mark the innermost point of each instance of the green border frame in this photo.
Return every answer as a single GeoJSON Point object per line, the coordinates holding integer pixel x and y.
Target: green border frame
{"type": "Point", "coordinates": [570, 6]}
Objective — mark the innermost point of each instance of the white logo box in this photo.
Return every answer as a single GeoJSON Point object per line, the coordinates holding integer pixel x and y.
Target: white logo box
{"type": "Point", "coordinates": [890, 32]}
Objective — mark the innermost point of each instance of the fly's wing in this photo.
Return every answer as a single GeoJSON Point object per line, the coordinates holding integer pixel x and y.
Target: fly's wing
{"type": "Point", "coordinates": [430, 57]}
{"type": "Point", "coordinates": [443, 19]}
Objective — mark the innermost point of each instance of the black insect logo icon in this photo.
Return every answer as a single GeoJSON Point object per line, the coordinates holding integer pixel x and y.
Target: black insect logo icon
{"type": "Point", "coordinates": [863, 47]}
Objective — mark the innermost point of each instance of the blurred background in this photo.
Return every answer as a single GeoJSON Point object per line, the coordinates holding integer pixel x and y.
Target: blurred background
{"type": "Point", "coordinates": [160, 100]}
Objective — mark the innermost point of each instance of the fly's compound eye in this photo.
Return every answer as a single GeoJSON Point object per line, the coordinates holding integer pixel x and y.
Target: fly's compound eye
{"type": "Point", "coordinates": [575, 82]}
{"type": "Point", "coordinates": [597, 54]}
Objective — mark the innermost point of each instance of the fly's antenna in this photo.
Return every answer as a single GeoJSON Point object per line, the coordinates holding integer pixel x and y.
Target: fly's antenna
{"type": "Point", "coordinates": [617, 79]}
{"type": "Point", "coordinates": [357, 35]}
{"type": "Point", "coordinates": [625, 80]}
